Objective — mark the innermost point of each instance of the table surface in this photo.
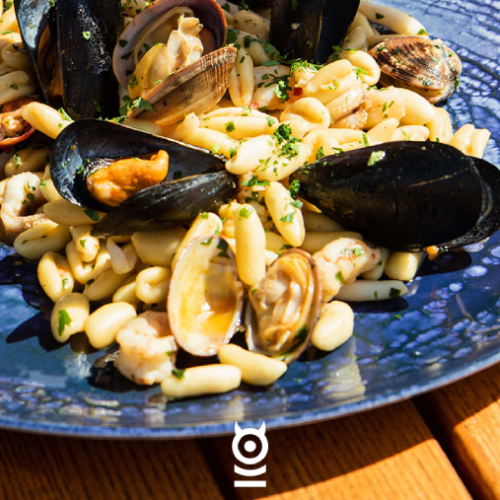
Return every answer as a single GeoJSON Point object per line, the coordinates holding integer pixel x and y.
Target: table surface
{"type": "Point", "coordinates": [443, 445]}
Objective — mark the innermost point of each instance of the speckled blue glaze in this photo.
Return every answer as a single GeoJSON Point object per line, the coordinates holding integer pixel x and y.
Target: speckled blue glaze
{"type": "Point", "coordinates": [447, 327]}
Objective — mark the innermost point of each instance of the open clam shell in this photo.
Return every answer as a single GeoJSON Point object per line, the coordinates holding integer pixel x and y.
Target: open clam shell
{"type": "Point", "coordinates": [190, 89]}
{"type": "Point", "coordinates": [420, 64]}
{"type": "Point", "coordinates": [196, 180]}
{"type": "Point", "coordinates": [284, 307]}
{"type": "Point", "coordinates": [405, 195]}
{"type": "Point", "coordinates": [205, 298]}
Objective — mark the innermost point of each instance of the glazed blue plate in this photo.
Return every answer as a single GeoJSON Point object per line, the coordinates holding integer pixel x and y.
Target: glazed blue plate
{"type": "Point", "coordinates": [446, 328]}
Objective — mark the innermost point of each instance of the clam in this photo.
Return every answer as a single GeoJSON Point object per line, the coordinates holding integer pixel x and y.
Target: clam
{"type": "Point", "coordinates": [171, 54]}
{"type": "Point", "coordinates": [425, 66]}
{"type": "Point", "coordinates": [70, 43]}
{"type": "Point", "coordinates": [284, 307]}
{"type": "Point", "coordinates": [406, 195]}
{"type": "Point", "coordinates": [205, 298]}
{"type": "Point", "coordinates": [196, 180]}
{"type": "Point", "coordinates": [299, 27]}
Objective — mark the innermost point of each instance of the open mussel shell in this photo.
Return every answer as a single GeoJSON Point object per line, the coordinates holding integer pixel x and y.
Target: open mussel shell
{"type": "Point", "coordinates": [281, 326]}
{"type": "Point", "coordinates": [37, 25]}
{"type": "Point", "coordinates": [197, 87]}
{"type": "Point", "coordinates": [205, 297]}
{"type": "Point", "coordinates": [425, 66]}
{"type": "Point", "coordinates": [196, 180]}
{"type": "Point", "coordinates": [403, 195]}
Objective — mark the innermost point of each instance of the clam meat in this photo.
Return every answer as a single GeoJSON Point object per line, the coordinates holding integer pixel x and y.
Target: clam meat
{"type": "Point", "coordinates": [171, 54]}
{"type": "Point", "coordinates": [284, 307]}
{"type": "Point", "coordinates": [205, 298]}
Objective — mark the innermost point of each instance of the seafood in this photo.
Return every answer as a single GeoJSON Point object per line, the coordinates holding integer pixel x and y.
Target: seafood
{"type": "Point", "coordinates": [406, 195]}
{"type": "Point", "coordinates": [284, 307]}
{"type": "Point", "coordinates": [170, 55]}
{"type": "Point", "coordinates": [86, 146]}
{"type": "Point", "coordinates": [147, 348]}
{"type": "Point", "coordinates": [13, 129]}
{"type": "Point", "coordinates": [77, 66]}
{"type": "Point", "coordinates": [417, 63]}
{"type": "Point", "coordinates": [205, 299]}
{"type": "Point", "coordinates": [297, 28]}
{"type": "Point", "coordinates": [20, 202]}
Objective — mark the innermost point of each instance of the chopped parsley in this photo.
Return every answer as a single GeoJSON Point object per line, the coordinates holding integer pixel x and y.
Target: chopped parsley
{"type": "Point", "coordinates": [86, 35]}
{"type": "Point", "coordinates": [92, 214]}
{"type": "Point", "coordinates": [207, 242]}
{"type": "Point", "coordinates": [339, 277]}
{"type": "Point", "coordinates": [394, 292]}
{"type": "Point", "coordinates": [375, 157]}
{"type": "Point", "coordinates": [63, 320]}
{"type": "Point", "coordinates": [245, 212]}
{"type": "Point", "coordinates": [288, 217]}
{"type": "Point", "coordinates": [223, 246]}
{"type": "Point", "coordinates": [254, 181]}
{"type": "Point", "coordinates": [365, 140]}
{"type": "Point", "coordinates": [294, 188]}
{"type": "Point", "coordinates": [379, 16]}
{"type": "Point", "coordinates": [320, 153]}
{"type": "Point", "coordinates": [178, 373]}
{"type": "Point", "coordinates": [204, 215]}
{"type": "Point", "coordinates": [230, 127]}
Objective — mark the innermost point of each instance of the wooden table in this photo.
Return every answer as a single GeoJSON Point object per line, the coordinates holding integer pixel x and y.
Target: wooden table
{"type": "Point", "coordinates": [444, 445]}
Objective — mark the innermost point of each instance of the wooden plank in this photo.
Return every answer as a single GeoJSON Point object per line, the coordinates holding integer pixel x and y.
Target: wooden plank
{"type": "Point", "coordinates": [49, 468]}
{"type": "Point", "coordinates": [466, 417]}
{"type": "Point", "coordinates": [387, 453]}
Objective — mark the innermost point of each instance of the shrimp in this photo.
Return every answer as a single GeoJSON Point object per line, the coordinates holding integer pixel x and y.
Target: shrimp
{"type": "Point", "coordinates": [147, 348]}
{"type": "Point", "coordinates": [341, 261]}
{"type": "Point", "coordinates": [20, 201]}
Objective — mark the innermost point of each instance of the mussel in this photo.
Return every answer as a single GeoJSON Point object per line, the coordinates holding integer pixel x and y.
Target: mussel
{"type": "Point", "coordinates": [406, 195]}
{"type": "Point", "coordinates": [307, 29]}
{"type": "Point", "coordinates": [70, 43]}
{"type": "Point", "coordinates": [196, 180]}
{"type": "Point", "coordinates": [171, 54]}
{"type": "Point", "coordinates": [205, 297]}
{"type": "Point", "coordinates": [284, 307]}
{"type": "Point", "coordinates": [425, 66]}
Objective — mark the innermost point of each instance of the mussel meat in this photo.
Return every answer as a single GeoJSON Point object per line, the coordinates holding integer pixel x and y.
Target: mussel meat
{"type": "Point", "coordinates": [205, 297]}
{"type": "Point", "coordinates": [195, 180]}
{"type": "Point", "coordinates": [170, 55]}
{"type": "Point", "coordinates": [417, 63]}
{"type": "Point", "coordinates": [70, 45]}
{"type": "Point", "coordinates": [284, 307]}
{"type": "Point", "coordinates": [406, 195]}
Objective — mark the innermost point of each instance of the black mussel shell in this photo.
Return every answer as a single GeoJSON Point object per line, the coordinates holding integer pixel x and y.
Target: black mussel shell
{"type": "Point", "coordinates": [37, 25]}
{"type": "Point", "coordinates": [295, 27]}
{"type": "Point", "coordinates": [168, 204]}
{"type": "Point", "coordinates": [196, 182]}
{"type": "Point", "coordinates": [338, 16]}
{"type": "Point", "coordinates": [87, 34]}
{"type": "Point", "coordinates": [307, 29]}
{"type": "Point", "coordinates": [489, 221]}
{"type": "Point", "coordinates": [86, 145]}
{"type": "Point", "coordinates": [400, 195]}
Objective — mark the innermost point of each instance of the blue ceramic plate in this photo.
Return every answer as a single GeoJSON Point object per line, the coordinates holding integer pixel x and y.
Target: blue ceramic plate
{"type": "Point", "coordinates": [446, 328]}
